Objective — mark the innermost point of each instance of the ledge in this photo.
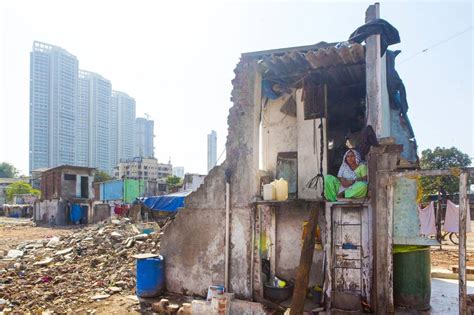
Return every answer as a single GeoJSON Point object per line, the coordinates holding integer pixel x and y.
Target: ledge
{"type": "Point", "coordinates": [285, 202]}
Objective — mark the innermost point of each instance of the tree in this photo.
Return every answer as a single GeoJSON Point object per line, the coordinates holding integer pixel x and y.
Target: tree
{"type": "Point", "coordinates": [19, 188]}
{"type": "Point", "coordinates": [101, 176]}
{"type": "Point", "coordinates": [7, 170]}
{"type": "Point", "coordinates": [173, 182]}
{"type": "Point", "coordinates": [442, 158]}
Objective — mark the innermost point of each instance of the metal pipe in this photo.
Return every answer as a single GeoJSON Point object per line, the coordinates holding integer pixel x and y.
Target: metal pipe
{"type": "Point", "coordinates": [227, 236]}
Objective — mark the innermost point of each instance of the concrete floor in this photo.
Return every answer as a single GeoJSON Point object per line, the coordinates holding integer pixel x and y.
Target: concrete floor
{"type": "Point", "coordinates": [445, 296]}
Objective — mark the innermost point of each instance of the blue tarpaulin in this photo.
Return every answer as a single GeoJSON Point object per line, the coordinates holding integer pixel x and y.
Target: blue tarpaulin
{"type": "Point", "coordinates": [171, 202]}
{"type": "Point", "coordinates": [76, 213]}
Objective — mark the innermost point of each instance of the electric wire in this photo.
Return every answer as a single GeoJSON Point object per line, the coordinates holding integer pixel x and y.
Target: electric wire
{"type": "Point", "coordinates": [437, 44]}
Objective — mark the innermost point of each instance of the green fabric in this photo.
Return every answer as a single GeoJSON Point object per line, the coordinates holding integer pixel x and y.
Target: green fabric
{"type": "Point", "coordinates": [331, 187]}
{"type": "Point", "coordinates": [361, 171]}
{"type": "Point", "coordinates": [356, 190]}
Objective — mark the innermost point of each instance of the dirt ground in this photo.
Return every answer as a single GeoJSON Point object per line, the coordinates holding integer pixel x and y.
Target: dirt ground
{"type": "Point", "coordinates": [446, 255]}
{"type": "Point", "coordinates": [16, 231]}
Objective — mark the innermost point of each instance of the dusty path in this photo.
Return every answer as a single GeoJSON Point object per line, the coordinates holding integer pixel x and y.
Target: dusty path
{"type": "Point", "coordinates": [442, 258]}
{"type": "Point", "coordinates": [15, 231]}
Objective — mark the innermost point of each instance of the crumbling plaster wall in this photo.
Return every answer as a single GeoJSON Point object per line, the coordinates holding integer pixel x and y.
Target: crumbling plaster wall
{"type": "Point", "coordinates": [309, 151]}
{"type": "Point", "coordinates": [289, 222]}
{"type": "Point", "coordinates": [279, 133]}
{"type": "Point", "coordinates": [193, 244]}
{"type": "Point", "coordinates": [43, 210]}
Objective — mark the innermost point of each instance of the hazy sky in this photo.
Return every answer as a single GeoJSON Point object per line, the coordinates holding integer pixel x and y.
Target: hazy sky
{"type": "Point", "coordinates": [177, 60]}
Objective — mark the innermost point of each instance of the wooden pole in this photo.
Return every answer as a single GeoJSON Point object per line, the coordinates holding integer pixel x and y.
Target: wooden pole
{"type": "Point", "coordinates": [306, 259]}
{"type": "Point", "coordinates": [438, 219]}
{"type": "Point", "coordinates": [463, 208]}
{"type": "Point", "coordinates": [227, 237]}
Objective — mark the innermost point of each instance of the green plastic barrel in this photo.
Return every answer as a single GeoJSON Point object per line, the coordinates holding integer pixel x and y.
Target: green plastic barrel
{"type": "Point", "coordinates": [412, 277]}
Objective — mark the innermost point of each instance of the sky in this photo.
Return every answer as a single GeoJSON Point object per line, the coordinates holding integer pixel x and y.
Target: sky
{"type": "Point", "coordinates": [177, 59]}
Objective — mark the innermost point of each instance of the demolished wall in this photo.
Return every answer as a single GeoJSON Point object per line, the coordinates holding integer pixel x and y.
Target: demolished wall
{"type": "Point", "coordinates": [193, 244]}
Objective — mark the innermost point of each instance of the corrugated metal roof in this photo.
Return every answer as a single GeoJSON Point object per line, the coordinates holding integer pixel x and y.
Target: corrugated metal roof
{"type": "Point", "coordinates": [339, 64]}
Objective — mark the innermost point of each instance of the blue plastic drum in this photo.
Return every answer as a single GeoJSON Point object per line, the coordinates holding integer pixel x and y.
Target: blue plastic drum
{"type": "Point", "coordinates": [150, 276]}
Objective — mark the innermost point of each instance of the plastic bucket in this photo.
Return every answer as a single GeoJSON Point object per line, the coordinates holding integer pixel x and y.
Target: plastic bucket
{"type": "Point", "coordinates": [150, 276]}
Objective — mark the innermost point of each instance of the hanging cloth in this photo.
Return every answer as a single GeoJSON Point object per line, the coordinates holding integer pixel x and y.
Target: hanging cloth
{"type": "Point", "coordinates": [76, 213]}
{"type": "Point", "coordinates": [451, 220]}
{"type": "Point", "coordinates": [427, 219]}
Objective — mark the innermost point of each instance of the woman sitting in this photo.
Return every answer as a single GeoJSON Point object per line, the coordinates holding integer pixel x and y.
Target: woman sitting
{"type": "Point", "coordinates": [351, 180]}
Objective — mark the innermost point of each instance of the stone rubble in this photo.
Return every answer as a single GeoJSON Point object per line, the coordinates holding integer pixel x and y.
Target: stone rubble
{"type": "Point", "coordinates": [61, 274]}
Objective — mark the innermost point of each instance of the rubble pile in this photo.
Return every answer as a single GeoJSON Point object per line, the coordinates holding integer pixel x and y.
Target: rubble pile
{"type": "Point", "coordinates": [63, 273]}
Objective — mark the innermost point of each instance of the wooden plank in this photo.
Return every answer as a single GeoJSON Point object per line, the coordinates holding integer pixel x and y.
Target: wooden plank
{"type": "Point", "coordinates": [382, 161]}
{"type": "Point", "coordinates": [381, 237]}
{"type": "Point", "coordinates": [252, 253]}
{"type": "Point", "coordinates": [389, 249]}
{"type": "Point", "coordinates": [468, 170]}
{"type": "Point", "coordinates": [438, 219]}
{"type": "Point", "coordinates": [469, 270]}
{"type": "Point", "coordinates": [306, 259]}
{"type": "Point", "coordinates": [367, 257]}
{"type": "Point", "coordinates": [327, 287]}
{"type": "Point", "coordinates": [463, 208]}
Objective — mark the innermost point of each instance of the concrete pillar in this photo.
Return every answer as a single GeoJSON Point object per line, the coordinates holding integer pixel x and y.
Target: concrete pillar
{"type": "Point", "coordinates": [378, 109]}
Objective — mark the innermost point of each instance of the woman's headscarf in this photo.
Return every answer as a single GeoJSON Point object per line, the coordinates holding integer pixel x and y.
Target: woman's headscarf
{"type": "Point", "coordinates": [345, 171]}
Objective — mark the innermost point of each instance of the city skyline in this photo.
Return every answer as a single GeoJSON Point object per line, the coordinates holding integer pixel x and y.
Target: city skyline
{"type": "Point", "coordinates": [76, 118]}
{"type": "Point", "coordinates": [162, 86]}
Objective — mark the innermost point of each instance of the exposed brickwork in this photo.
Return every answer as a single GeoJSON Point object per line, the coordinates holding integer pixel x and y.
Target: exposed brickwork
{"type": "Point", "coordinates": [50, 184]}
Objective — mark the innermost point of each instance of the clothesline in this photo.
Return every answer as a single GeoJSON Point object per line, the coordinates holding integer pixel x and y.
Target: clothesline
{"type": "Point", "coordinates": [451, 220]}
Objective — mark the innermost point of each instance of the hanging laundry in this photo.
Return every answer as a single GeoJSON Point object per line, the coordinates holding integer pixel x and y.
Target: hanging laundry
{"type": "Point", "coordinates": [427, 219]}
{"type": "Point", "coordinates": [451, 220]}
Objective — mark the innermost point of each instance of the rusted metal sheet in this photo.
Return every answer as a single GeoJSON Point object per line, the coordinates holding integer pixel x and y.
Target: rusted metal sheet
{"type": "Point", "coordinates": [340, 63]}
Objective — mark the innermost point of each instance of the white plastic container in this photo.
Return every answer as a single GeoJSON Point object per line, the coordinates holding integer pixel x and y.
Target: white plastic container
{"type": "Point", "coordinates": [281, 186]}
{"type": "Point", "coordinates": [269, 192]}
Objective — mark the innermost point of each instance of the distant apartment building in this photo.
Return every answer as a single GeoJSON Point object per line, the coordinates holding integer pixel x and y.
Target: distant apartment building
{"type": "Point", "coordinates": [92, 136]}
{"type": "Point", "coordinates": [144, 136]}
{"type": "Point", "coordinates": [178, 171]}
{"type": "Point", "coordinates": [142, 168]}
{"type": "Point", "coordinates": [53, 94]}
{"type": "Point", "coordinates": [121, 127]}
{"type": "Point", "coordinates": [211, 150]}
{"type": "Point", "coordinates": [75, 117]}
{"type": "Point", "coordinates": [165, 170]}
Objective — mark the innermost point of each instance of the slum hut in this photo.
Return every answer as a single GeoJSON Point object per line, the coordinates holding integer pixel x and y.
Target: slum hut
{"type": "Point", "coordinates": [122, 191]}
{"type": "Point", "coordinates": [304, 107]}
{"type": "Point", "coordinates": [66, 195]}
